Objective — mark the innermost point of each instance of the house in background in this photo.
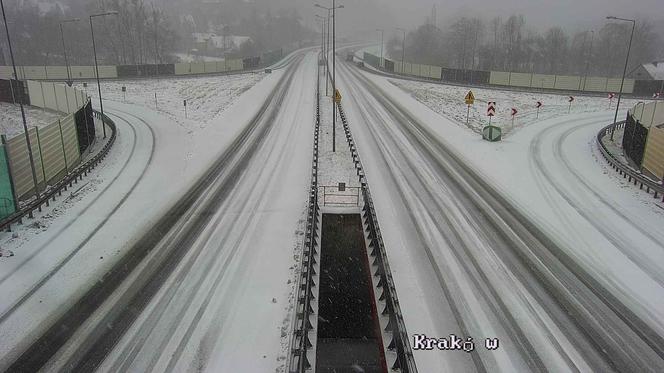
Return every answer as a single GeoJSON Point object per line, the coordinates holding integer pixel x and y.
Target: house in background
{"type": "Point", "coordinates": [649, 71]}
{"type": "Point", "coordinates": [211, 44]}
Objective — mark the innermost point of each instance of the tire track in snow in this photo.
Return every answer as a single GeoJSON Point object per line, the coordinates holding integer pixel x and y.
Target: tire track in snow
{"type": "Point", "coordinates": [73, 253]}
{"type": "Point", "coordinates": [614, 330]}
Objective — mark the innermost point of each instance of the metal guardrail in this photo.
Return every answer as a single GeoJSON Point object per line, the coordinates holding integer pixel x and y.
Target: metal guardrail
{"type": "Point", "coordinates": [396, 325]}
{"type": "Point", "coordinates": [72, 178]}
{"type": "Point", "coordinates": [300, 342]}
{"type": "Point", "coordinates": [624, 170]}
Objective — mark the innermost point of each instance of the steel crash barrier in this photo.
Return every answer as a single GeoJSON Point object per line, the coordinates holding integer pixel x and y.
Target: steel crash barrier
{"type": "Point", "coordinates": [301, 342]}
{"type": "Point", "coordinates": [624, 170]}
{"type": "Point", "coordinates": [63, 185]}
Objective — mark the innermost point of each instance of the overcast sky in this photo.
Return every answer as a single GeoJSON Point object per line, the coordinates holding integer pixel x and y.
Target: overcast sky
{"type": "Point", "coordinates": [573, 15]}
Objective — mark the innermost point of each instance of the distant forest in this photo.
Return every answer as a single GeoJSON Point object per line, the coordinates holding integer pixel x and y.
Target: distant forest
{"type": "Point", "coordinates": [142, 32]}
{"type": "Point", "coordinates": [508, 45]}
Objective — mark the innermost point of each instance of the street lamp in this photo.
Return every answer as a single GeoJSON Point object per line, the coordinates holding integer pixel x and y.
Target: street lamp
{"type": "Point", "coordinates": [629, 48]}
{"type": "Point", "coordinates": [382, 34]}
{"type": "Point", "coordinates": [20, 103]}
{"type": "Point", "coordinates": [64, 48]}
{"type": "Point", "coordinates": [94, 50]}
{"type": "Point", "coordinates": [323, 35]}
{"type": "Point", "coordinates": [403, 51]}
{"type": "Point", "coordinates": [334, 70]}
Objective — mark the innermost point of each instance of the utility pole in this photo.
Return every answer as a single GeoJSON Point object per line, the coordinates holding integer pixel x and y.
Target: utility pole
{"type": "Point", "coordinates": [334, 71]}
{"type": "Point", "coordinates": [20, 103]}
{"type": "Point", "coordinates": [590, 55]}
{"type": "Point", "coordinates": [94, 50]}
{"type": "Point", "coordinates": [622, 83]}
{"type": "Point", "coordinates": [64, 49]}
{"type": "Point", "coordinates": [382, 35]}
{"type": "Point", "coordinates": [403, 51]}
{"type": "Point", "coordinates": [334, 77]}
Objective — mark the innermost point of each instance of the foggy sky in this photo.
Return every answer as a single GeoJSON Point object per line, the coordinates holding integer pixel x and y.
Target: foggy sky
{"type": "Point", "coordinates": [572, 15]}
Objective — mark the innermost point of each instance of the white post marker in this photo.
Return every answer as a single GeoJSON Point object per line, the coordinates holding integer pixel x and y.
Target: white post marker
{"type": "Point", "coordinates": [611, 96]}
{"type": "Point", "coordinates": [470, 100]}
{"type": "Point", "coordinates": [491, 110]}
{"type": "Point", "coordinates": [155, 100]}
{"type": "Point", "coordinates": [514, 113]}
{"type": "Point", "coordinates": [124, 94]}
{"type": "Point", "coordinates": [570, 100]}
{"type": "Point", "coordinates": [538, 105]}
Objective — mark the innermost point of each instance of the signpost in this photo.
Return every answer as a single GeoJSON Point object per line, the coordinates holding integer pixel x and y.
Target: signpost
{"type": "Point", "coordinates": [514, 113]}
{"type": "Point", "coordinates": [611, 96]}
{"type": "Point", "coordinates": [470, 100]}
{"type": "Point", "coordinates": [570, 100]}
{"type": "Point", "coordinates": [538, 105]}
{"type": "Point", "coordinates": [124, 94]}
{"type": "Point", "coordinates": [491, 110]}
{"type": "Point", "coordinates": [185, 108]}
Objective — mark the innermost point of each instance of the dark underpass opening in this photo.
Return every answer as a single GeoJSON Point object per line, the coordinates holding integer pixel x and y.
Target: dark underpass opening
{"type": "Point", "coordinates": [349, 338]}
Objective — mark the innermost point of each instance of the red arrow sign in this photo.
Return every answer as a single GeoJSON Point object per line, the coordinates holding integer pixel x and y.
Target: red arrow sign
{"type": "Point", "coordinates": [538, 104]}
{"type": "Point", "coordinates": [514, 111]}
{"type": "Point", "coordinates": [491, 110]}
{"type": "Point", "coordinates": [571, 99]}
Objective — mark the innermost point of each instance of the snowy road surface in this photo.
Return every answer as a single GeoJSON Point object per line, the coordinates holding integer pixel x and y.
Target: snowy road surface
{"type": "Point", "coordinates": [56, 267]}
{"type": "Point", "coordinates": [528, 240]}
{"type": "Point", "coordinates": [179, 253]}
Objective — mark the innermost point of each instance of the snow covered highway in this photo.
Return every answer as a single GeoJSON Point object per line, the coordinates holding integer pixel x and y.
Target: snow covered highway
{"type": "Point", "coordinates": [472, 256]}
{"type": "Point", "coordinates": [182, 252]}
{"type": "Point", "coordinates": [214, 225]}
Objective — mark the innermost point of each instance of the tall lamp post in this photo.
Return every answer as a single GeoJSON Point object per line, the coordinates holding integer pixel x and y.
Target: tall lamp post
{"type": "Point", "coordinates": [403, 51]}
{"type": "Point", "coordinates": [94, 50]}
{"type": "Point", "coordinates": [382, 35]}
{"type": "Point", "coordinates": [629, 48]}
{"type": "Point", "coordinates": [64, 48]}
{"type": "Point", "coordinates": [20, 103]}
{"type": "Point", "coordinates": [334, 71]}
{"type": "Point", "coordinates": [323, 34]}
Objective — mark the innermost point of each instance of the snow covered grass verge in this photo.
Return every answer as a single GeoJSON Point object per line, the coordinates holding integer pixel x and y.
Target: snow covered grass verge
{"type": "Point", "coordinates": [206, 96]}
{"type": "Point", "coordinates": [11, 123]}
{"type": "Point", "coordinates": [448, 101]}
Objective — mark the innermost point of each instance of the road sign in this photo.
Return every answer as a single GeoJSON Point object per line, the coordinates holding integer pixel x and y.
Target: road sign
{"type": "Point", "coordinates": [492, 133]}
{"type": "Point", "coordinates": [514, 111]}
{"type": "Point", "coordinates": [470, 98]}
{"type": "Point", "coordinates": [538, 104]}
{"type": "Point", "coordinates": [491, 109]}
{"type": "Point", "coordinates": [611, 96]}
{"type": "Point", "coordinates": [337, 96]}
{"type": "Point", "coordinates": [571, 99]}
{"type": "Point", "coordinates": [124, 89]}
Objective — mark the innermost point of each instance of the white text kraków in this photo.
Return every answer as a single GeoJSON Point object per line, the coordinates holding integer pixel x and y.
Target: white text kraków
{"type": "Point", "coordinates": [451, 343]}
